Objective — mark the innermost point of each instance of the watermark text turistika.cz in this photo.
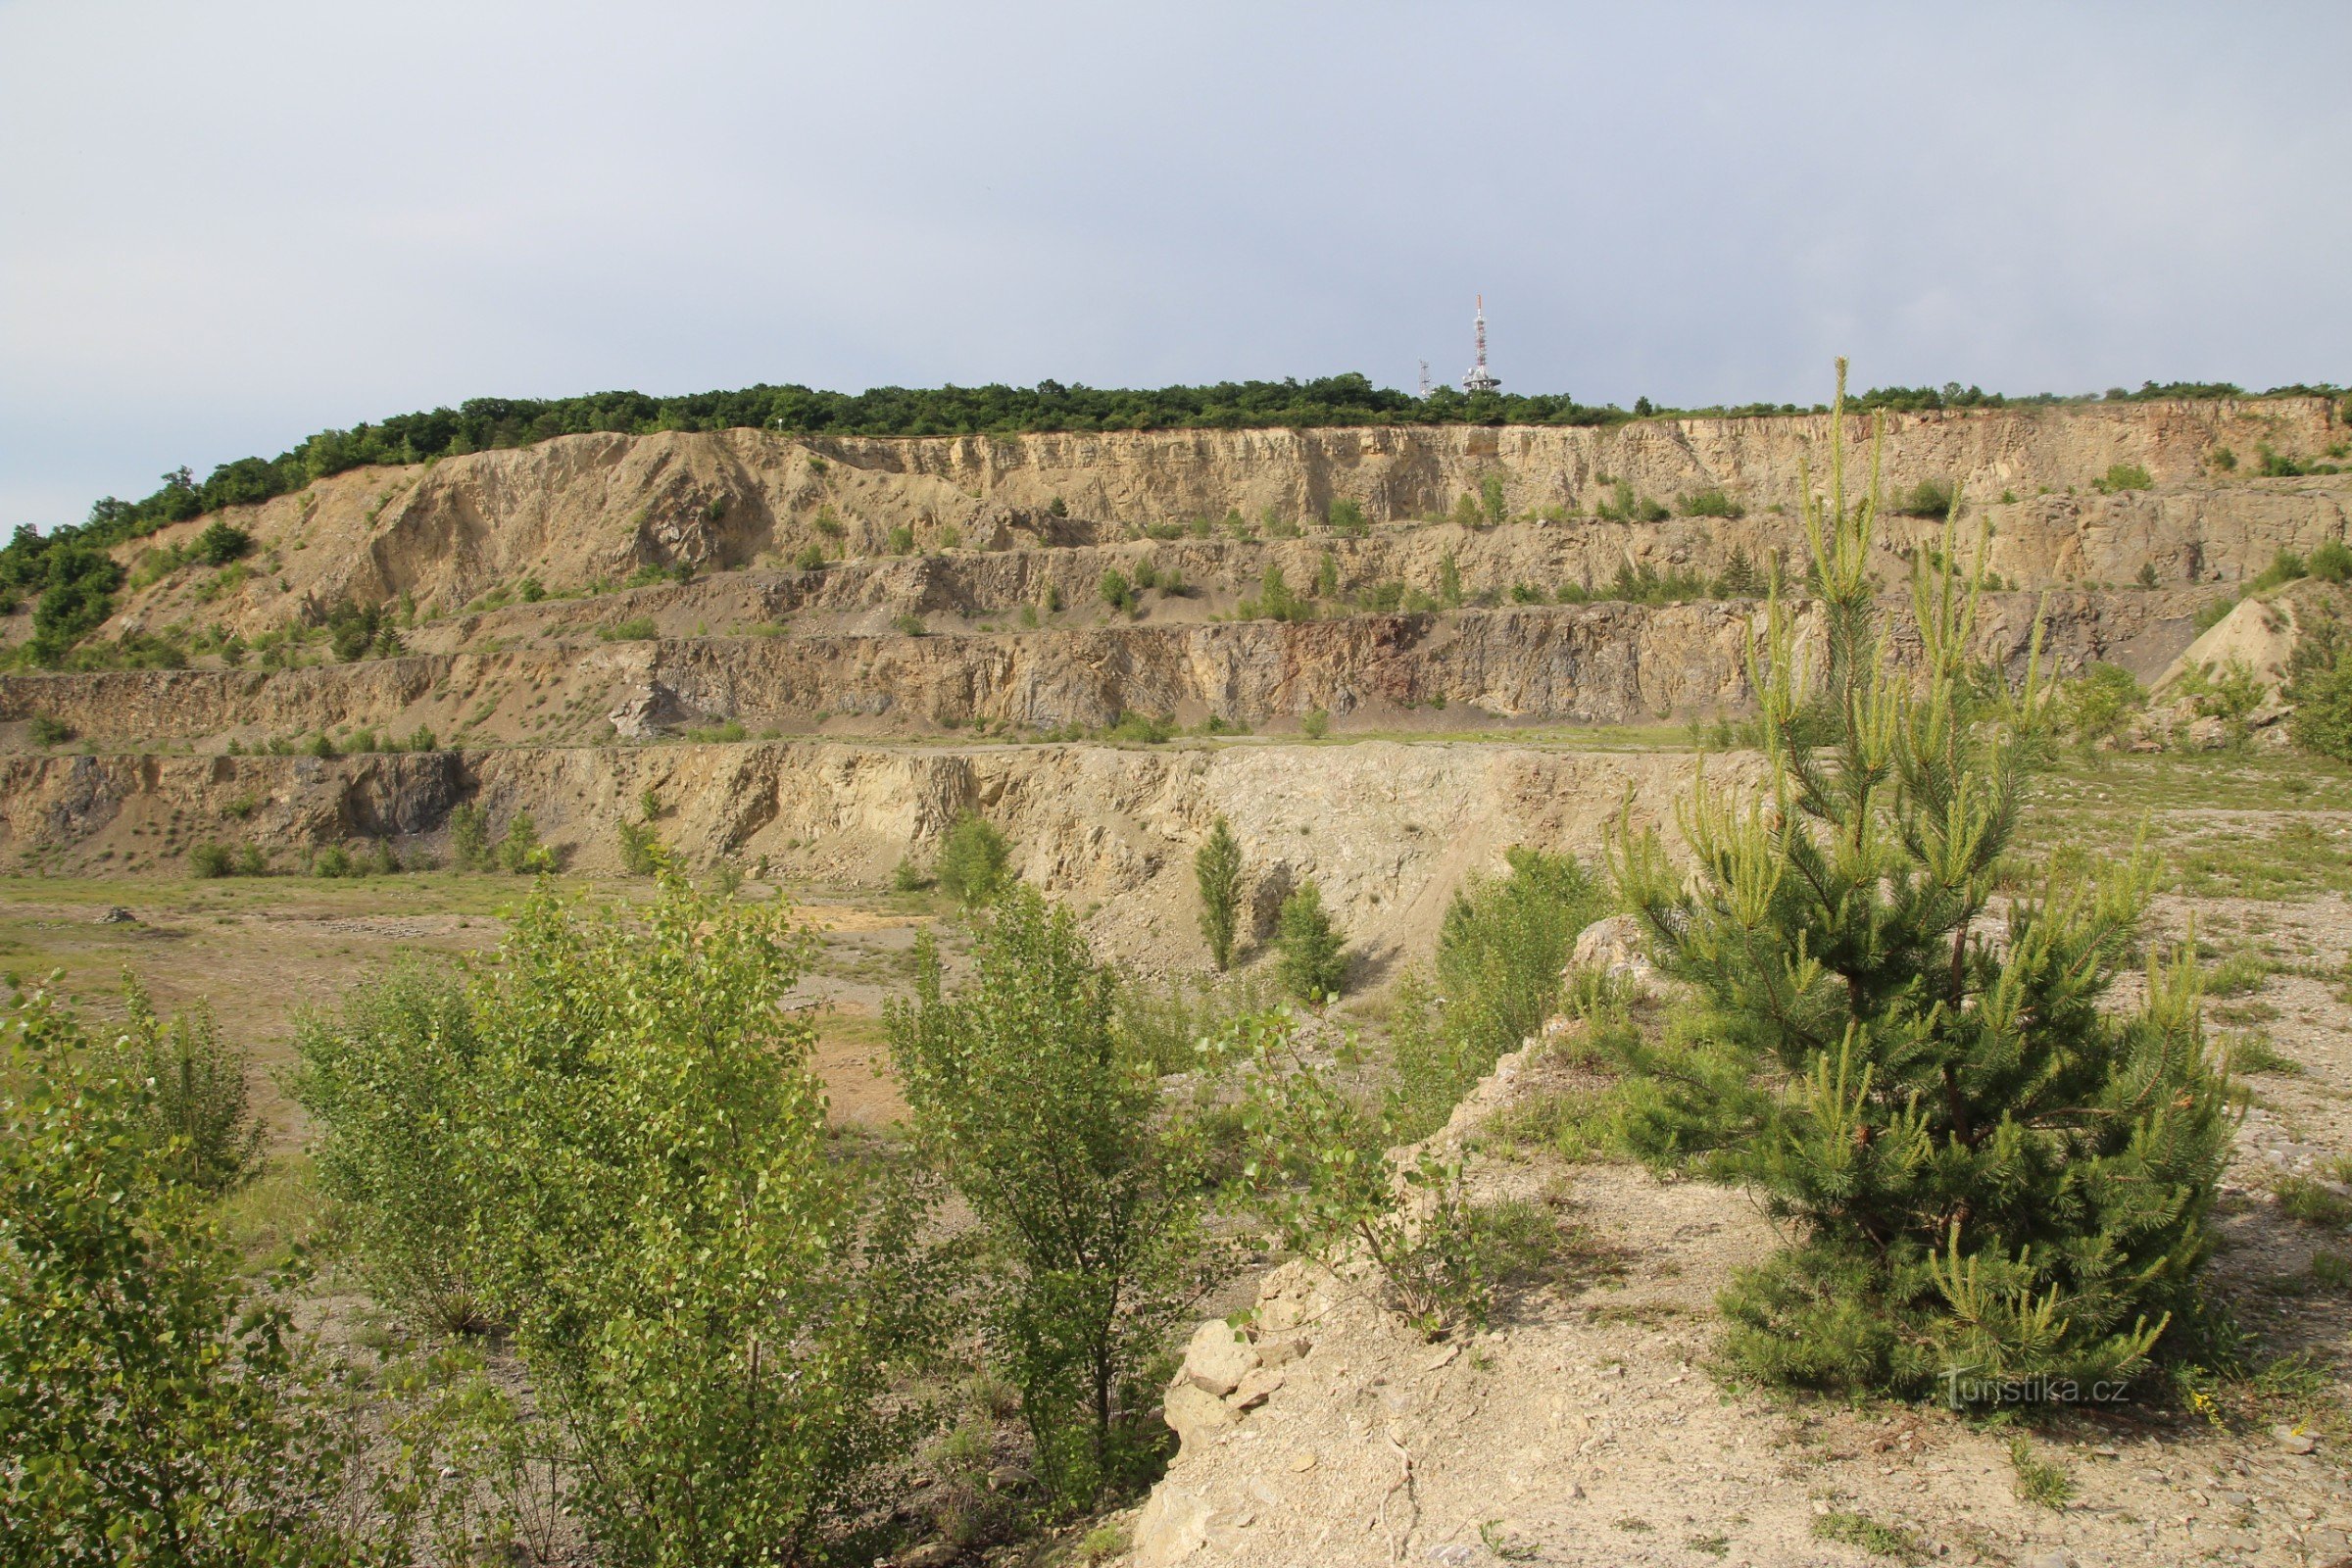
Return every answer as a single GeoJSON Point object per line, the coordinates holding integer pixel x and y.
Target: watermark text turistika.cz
{"type": "Point", "coordinates": [1962, 1388]}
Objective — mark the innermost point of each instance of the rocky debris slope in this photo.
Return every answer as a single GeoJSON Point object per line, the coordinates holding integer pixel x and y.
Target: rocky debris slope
{"type": "Point", "coordinates": [578, 510]}
{"type": "Point", "coordinates": [1590, 663]}
{"type": "Point", "coordinates": [1388, 830]}
{"type": "Point", "coordinates": [1584, 1428]}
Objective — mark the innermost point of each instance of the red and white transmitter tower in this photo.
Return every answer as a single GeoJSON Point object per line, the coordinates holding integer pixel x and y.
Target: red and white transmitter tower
{"type": "Point", "coordinates": [1478, 378]}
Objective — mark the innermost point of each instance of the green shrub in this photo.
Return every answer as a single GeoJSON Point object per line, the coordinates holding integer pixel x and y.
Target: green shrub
{"type": "Point", "coordinates": [1491, 500]}
{"type": "Point", "coordinates": [811, 556]}
{"type": "Point", "coordinates": [2229, 692]}
{"type": "Point", "coordinates": [1347, 518]}
{"type": "Point", "coordinates": [2332, 563]}
{"type": "Point", "coordinates": [362, 631]}
{"type": "Point", "coordinates": [222, 543]}
{"type": "Point", "coordinates": [635, 629]}
{"type": "Point", "coordinates": [210, 859]}
{"type": "Point", "coordinates": [1162, 1025]}
{"type": "Point", "coordinates": [333, 862]}
{"type": "Point", "coordinates": [1314, 1161]}
{"type": "Point", "coordinates": [641, 851]}
{"type": "Point", "coordinates": [1315, 723]}
{"type": "Point", "coordinates": [2320, 684]}
{"type": "Point", "coordinates": [1712, 501]}
{"type": "Point", "coordinates": [2277, 466]}
{"type": "Point", "coordinates": [1217, 875]}
{"type": "Point", "coordinates": [2286, 567]}
{"type": "Point", "coordinates": [46, 731]}
{"type": "Point", "coordinates": [1144, 728]}
{"type": "Point", "coordinates": [722, 1314]}
{"type": "Point", "coordinates": [1116, 591]}
{"type": "Point", "coordinates": [2100, 702]}
{"type": "Point", "coordinates": [908, 877]}
{"type": "Point", "coordinates": [1624, 505]}
{"type": "Point", "coordinates": [77, 586]}
{"type": "Point", "coordinates": [1930, 497]}
{"type": "Point", "coordinates": [2308, 1203]}
{"type": "Point", "coordinates": [1312, 953]}
{"type": "Point", "coordinates": [1907, 1095]}
{"type": "Point", "coordinates": [1850, 1529]}
{"type": "Point", "coordinates": [2123, 476]}
{"type": "Point", "coordinates": [1275, 601]}
{"type": "Point", "coordinates": [2222, 459]}
{"type": "Point", "coordinates": [150, 1401]}
{"type": "Point", "coordinates": [1644, 584]}
{"type": "Point", "coordinates": [384, 1080]}
{"type": "Point", "coordinates": [1449, 582]}
{"type": "Point", "coordinates": [975, 860]}
{"type": "Point", "coordinates": [470, 837]}
{"type": "Point", "coordinates": [901, 541]}
{"type": "Point", "coordinates": [1502, 949]}
{"type": "Point", "coordinates": [1740, 579]}
{"type": "Point", "coordinates": [199, 1104]}
{"type": "Point", "coordinates": [1020, 1094]}
{"type": "Point", "coordinates": [519, 853]}
{"type": "Point", "coordinates": [2213, 615]}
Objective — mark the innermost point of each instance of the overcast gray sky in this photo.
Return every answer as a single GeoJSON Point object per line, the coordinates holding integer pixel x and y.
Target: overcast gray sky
{"type": "Point", "coordinates": [225, 225]}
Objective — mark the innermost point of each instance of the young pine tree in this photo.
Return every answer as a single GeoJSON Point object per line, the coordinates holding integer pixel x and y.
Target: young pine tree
{"type": "Point", "coordinates": [1988, 1173]}
{"type": "Point", "coordinates": [1217, 871]}
{"type": "Point", "coordinates": [1313, 954]}
{"type": "Point", "coordinates": [1089, 1206]}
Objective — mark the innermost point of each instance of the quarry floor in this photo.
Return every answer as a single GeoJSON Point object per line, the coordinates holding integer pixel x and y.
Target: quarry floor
{"type": "Point", "coordinates": [1588, 1427]}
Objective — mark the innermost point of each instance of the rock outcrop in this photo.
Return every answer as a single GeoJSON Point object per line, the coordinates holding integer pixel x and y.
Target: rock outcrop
{"type": "Point", "coordinates": [1595, 663]}
{"type": "Point", "coordinates": [1388, 830]}
{"type": "Point", "coordinates": [575, 511]}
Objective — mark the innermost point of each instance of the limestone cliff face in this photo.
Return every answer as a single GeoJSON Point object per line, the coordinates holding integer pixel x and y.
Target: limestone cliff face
{"type": "Point", "coordinates": [579, 509]}
{"type": "Point", "coordinates": [1388, 830]}
{"type": "Point", "coordinates": [1590, 663]}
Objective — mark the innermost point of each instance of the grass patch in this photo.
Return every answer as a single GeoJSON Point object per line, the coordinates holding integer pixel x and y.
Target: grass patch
{"type": "Point", "coordinates": [1850, 1529]}
{"type": "Point", "coordinates": [2252, 1051]}
{"type": "Point", "coordinates": [636, 629]}
{"type": "Point", "coordinates": [2039, 1481]}
{"type": "Point", "coordinates": [2237, 974]}
{"type": "Point", "coordinates": [1578, 1125]}
{"type": "Point", "coordinates": [2308, 1203]}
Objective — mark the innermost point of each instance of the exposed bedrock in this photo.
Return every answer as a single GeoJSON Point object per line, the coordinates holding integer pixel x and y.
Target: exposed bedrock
{"type": "Point", "coordinates": [1591, 663]}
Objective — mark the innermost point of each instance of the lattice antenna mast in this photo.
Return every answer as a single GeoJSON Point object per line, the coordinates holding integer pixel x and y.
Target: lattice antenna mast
{"type": "Point", "coordinates": [1425, 380]}
{"type": "Point", "coordinates": [1478, 378]}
